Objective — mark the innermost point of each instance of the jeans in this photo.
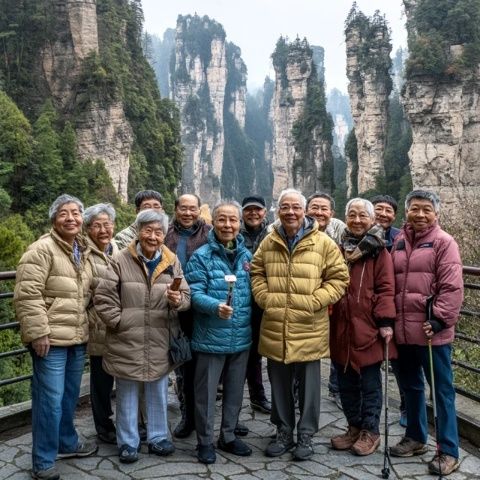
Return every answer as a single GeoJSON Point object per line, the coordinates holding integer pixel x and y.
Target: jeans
{"type": "Point", "coordinates": [156, 401]}
{"type": "Point", "coordinates": [361, 396]}
{"type": "Point", "coordinates": [55, 390]}
{"type": "Point", "coordinates": [413, 367]}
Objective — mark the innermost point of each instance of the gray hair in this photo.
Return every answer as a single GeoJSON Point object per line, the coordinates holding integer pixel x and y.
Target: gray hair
{"type": "Point", "coordinates": [151, 216]}
{"type": "Point", "coordinates": [424, 195]}
{"type": "Point", "coordinates": [59, 202]}
{"type": "Point", "coordinates": [292, 191]}
{"type": "Point", "coordinates": [367, 204]}
{"type": "Point", "coordinates": [91, 213]}
{"type": "Point", "coordinates": [227, 203]}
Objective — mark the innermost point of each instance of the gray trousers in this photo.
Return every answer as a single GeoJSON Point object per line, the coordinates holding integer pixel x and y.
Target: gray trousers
{"type": "Point", "coordinates": [209, 367]}
{"type": "Point", "coordinates": [282, 378]}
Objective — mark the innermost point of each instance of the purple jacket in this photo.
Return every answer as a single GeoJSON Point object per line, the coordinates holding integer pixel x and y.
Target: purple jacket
{"type": "Point", "coordinates": [426, 263]}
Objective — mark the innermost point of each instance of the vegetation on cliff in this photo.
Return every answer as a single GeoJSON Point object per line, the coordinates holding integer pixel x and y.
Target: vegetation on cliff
{"type": "Point", "coordinates": [444, 38]}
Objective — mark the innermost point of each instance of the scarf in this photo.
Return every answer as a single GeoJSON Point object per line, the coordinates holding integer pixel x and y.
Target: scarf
{"type": "Point", "coordinates": [367, 246]}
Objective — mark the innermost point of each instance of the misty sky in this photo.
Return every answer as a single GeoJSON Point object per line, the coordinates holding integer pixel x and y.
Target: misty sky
{"type": "Point", "coordinates": [255, 25]}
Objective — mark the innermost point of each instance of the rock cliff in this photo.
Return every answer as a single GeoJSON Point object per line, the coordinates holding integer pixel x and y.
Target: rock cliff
{"type": "Point", "coordinates": [368, 63]}
{"type": "Point", "coordinates": [301, 139]}
{"type": "Point", "coordinates": [208, 81]}
{"type": "Point", "coordinates": [103, 131]}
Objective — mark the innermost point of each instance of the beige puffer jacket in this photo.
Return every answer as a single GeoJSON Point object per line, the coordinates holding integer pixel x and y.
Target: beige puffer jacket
{"type": "Point", "coordinates": [51, 292]}
{"type": "Point", "coordinates": [136, 312]}
{"type": "Point", "coordinates": [99, 261]}
{"type": "Point", "coordinates": [295, 289]}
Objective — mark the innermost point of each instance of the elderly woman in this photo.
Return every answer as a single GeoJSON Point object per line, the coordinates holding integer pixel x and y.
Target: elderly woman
{"type": "Point", "coordinates": [51, 292]}
{"type": "Point", "coordinates": [221, 330]}
{"type": "Point", "coordinates": [99, 224]}
{"type": "Point", "coordinates": [140, 310]}
{"type": "Point", "coordinates": [428, 297]}
{"type": "Point", "coordinates": [360, 324]}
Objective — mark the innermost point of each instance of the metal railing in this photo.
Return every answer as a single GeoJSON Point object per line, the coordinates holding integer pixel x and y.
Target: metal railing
{"type": "Point", "coordinates": [466, 312]}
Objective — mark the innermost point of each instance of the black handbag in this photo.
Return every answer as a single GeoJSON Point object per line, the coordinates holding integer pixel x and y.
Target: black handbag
{"type": "Point", "coordinates": [179, 350]}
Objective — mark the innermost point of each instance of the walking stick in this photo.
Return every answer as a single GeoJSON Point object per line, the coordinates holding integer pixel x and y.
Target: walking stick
{"type": "Point", "coordinates": [386, 455]}
{"type": "Point", "coordinates": [434, 402]}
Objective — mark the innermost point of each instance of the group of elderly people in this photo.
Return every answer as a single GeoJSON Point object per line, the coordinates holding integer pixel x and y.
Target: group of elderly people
{"type": "Point", "coordinates": [304, 288]}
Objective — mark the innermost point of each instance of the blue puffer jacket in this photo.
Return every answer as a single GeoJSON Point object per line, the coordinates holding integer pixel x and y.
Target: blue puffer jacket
{"type": "Point", "coordinates": [205, 273]}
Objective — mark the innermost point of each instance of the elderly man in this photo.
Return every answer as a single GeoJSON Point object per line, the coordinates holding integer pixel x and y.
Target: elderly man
{"type": "Point", "coordinates": [297, 272]}
{"type": "Point", "coordinates": [254, 230]}
{"type": "Point", "coordinates": [185, 234]}
{"type": "Point", "coordinates": [428, 297]}
{"type": "Point", "coordinates": [385, 213]}
{"type": "Point", "coordinates": [144, 200]}
{"type": "Point", "coordinates": [321, 206]}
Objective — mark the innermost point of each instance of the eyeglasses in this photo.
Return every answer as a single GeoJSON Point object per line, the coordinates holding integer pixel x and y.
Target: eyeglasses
{"type": "Point", "coordinates": [99, 226]}
{"type": "Point", "coordinates": [287, 208]}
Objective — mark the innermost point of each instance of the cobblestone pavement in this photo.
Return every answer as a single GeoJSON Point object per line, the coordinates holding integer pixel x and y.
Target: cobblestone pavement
{"type": "Point", "coordinates": [15, 458]}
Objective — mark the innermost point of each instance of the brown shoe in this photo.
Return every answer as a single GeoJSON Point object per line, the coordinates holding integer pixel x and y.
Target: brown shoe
{"type": "Point", "coordinates": [345, 441]}
{"type": "Point", "coordinates": [443, 464]}
{"type": "Point", "coordinates": [367, 443]}
{"type": "Point", "coordinates": [408, 447]}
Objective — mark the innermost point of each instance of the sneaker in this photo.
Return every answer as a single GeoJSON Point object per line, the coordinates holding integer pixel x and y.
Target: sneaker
{"type": "Point", "coordinates": [206, 454]}
{"type": "Point", "coordinates": [282, 443]}
{"type": "Point", "coordinates": [366, 444]}
{"type": "Point", "coordinates": [261, 405]}
{"type": "Point", "coordinates": [304, 449]}
{"type": "Point", "coordinates": [443, 464]}
{"type": "Point", "coordinates": [184, 429]}
{"type": "Point", "coordinates": [84, 449]}
{"type": "Point", "coordinates": [241, 430]}
{"type": "Point", "coordinates": [47, 474]}
{"type": "Point", "coordinates": [403, 419]}
{"type": "Point", "coordinates": [236, 447]}
{"type": "Point", "coordinates": [127, 454]}
{"type": "Point", "coordinates": [107, 437]}
{"type": "Point", "coordinates": [408, 447]}
{"type": "Point", "coordinates": [335, 397]}
{"type": "Point", "coordinates": [161, 447]}
{"type": "Point", "coordinates": [346, 440]}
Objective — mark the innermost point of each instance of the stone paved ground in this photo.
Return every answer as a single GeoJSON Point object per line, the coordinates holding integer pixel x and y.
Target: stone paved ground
{"type": "Point", "coordinates": [182, 465]}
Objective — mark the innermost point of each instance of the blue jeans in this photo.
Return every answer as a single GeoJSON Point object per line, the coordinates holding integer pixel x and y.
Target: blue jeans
{"type": "Point", "coordinates": [55, 390]}
{"type": "Point", "coordinates": [413, 363]}
{"type": "Point", "coordinates": [156, 403]}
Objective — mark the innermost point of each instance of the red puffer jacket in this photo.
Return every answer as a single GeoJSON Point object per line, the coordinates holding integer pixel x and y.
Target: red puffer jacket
{"type": "Point", "coordinates": [369, 304]}
{"type": "Point", "coordinates": [426, 263]}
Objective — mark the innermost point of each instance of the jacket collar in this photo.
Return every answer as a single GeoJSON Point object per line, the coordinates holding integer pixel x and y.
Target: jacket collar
{"type": "Point", "coordinates": [167, 260]}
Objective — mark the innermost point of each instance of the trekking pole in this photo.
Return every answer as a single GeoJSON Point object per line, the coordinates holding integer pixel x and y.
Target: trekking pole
{"type": "Point", "coordinates": [386, 456]}
{"type": "Point", "coordinates": [434, 403]}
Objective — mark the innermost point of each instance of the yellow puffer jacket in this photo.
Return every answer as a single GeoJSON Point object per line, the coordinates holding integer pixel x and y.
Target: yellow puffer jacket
{"type": "Point", "coordinates": [97, 332]}
{"type": "Point", "coordinates": [51, 292]}
{"type": "Point", "coordinates": [295, 289]}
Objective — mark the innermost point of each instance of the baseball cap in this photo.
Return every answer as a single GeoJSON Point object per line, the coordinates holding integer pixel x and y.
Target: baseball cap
{"type": "Point", "coordinates": [253, 200]}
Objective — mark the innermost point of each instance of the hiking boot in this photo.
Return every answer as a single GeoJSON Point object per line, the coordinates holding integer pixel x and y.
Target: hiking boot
{"type": "Point", "coordinates": [84, 449]}
{"type": "Point", "coordinates": [367, 443]}
{"type": "Point", "coordinates": [443, 464]}
{"type": "Point", "coordinates": [408, 447]}
{"type": "Point", "coordinates": [241, 430]}
{"type": "Point", "coordinates": [47, 474]}
{"type": "Point", "coordinates": [127, 454]}
{"type": "Point", "coordinates": [304, 449]}
{"type": "Point", "coordinates": [346, 440]}
{"type": "Point", "coordinates": [261, 405]}
{"type": "Point", "coordinates": [282, 443]}
{"type": "Point", "coordinates": [108, 437]}
{"type": "Point", "coordinates": [161, 447]}
{"type": "Point", "coordinates": [236, 447]}
{"type": "Point", "coordinates": [206, 454]}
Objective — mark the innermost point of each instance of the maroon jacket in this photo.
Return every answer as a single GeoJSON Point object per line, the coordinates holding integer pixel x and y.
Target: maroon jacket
{"type": "Point", "coordinates": [357, 317]}
{"type": "Point", "coordinates": [426, 263]}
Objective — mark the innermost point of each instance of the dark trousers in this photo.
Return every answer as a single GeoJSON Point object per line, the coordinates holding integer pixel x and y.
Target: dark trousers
{"type": "Point", "coordinates": [361, 396]}
{"type": "Point", "coordinates": [101, 385]}
{"type": "Point", "coordinates": [414, 366]}
{"type": "Point", "coordinates": [185, 377]}
{"type": "Point", "coordinates": [254, 365]}
{"type": "Point", "coordinates": [282, 377]}
{"type": "Point", "coordinates": [394, 364]}
{"type": "Point", "coordinates": [207, 376]}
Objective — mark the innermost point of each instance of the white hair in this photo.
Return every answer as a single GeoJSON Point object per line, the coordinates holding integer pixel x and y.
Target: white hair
{"type": "Point", "coordinates": [292, 191]}
{"type": "Point", "coordinates": [367, 204]}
